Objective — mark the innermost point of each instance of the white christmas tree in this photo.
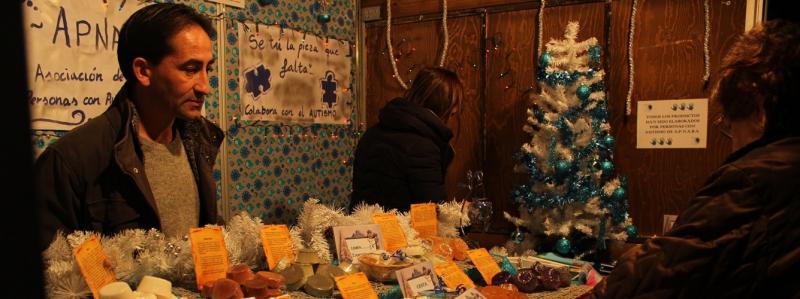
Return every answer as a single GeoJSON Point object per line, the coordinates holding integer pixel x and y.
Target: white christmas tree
{"type": "Point", "coordinates": [573, 200]}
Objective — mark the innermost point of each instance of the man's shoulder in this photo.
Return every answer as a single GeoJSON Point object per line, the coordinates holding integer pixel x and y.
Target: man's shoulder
{"type": "Point", "coordinates": [89, 143]}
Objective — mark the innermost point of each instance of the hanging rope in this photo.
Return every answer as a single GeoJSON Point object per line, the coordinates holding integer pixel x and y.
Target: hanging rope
{"type": "Point", "coordinates": [445, 42]}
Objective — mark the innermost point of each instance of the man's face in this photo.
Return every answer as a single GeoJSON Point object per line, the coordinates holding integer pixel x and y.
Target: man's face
{"type": "Point", "coordinates": [180, 80]}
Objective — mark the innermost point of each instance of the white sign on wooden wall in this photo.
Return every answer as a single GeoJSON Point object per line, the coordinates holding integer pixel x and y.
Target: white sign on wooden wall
{"type": "Point", "coordinates": [73, 72]}
{"type": "Point", "coordinates": [291, 76]}
{"type": "Point", "coordinates": [668, 124]}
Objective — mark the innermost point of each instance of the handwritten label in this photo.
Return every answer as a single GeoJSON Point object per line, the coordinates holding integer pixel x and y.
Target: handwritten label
{"type": "Point", "coordinates": [424, 219]}
{"type": "Point", "coordinates": [485, 263]}
{"type": "Point", "coordinates": [354, 240]}
{"type": "Point", "coordinates": [293, 76]}
{"type": "Point", "coordinates": [393, 236]}
{"type": "Point", "coordinates": [277, 244]}
{"type": "Point", "coordinates": [73, 73]}
{"type": "Point", "coordinates": [420, 284]}
{"type": "Point", "coordinates": [453, 276]}
{"type": "Point", "coordinates": [667, 124]}
{"type": "Point", "coordinates": [94, 265]}
{"type": "Point", "coordinates": [355, 286]}
{"type": "Point", "coordinates": [471, 294]}
{"type": "Point", "coordinates": [358, 247]}
{"type": "Point", "coordinates": [209, 254]}
{"type": "Point", "coordinates": [416, 278]}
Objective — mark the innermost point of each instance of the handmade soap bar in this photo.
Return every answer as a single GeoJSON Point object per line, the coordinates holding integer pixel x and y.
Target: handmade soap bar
{"type": "Point", "coordinates": [227, 289]}
{"type": "Point", "coordinates": [319, 286]}
{"type": "Point", "coordinates": [240, 273]}
{"type": "Point", "coordinates": [526, 281]}
{"type": "Point", "coordinates": [208, 289]}
{"type": "Point", "coordinates": [330, 270]}
{"type": "Point", "coordinates": [116, 290]}
{"type": "Point", "coordinates": [256, 287]}
{"type": "Point", "coordinates": [294, 277]}
{"type": "Point", "coordinates": [274, 280]}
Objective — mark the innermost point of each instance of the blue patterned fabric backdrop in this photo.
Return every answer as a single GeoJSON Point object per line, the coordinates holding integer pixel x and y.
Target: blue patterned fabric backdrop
{"type": "Point", "coordinates": [270, 169]}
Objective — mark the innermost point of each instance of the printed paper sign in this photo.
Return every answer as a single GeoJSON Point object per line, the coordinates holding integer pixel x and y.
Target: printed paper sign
{"type": "Point", "coordinates": [293, 76]}
{"type": "Point", "coordinates": [277, 244]}
{"type": "Point", "coordinates": [453, 276]}
{"type": "Point", "coordinates": [485, 263]}
{"type": "Point", "coordinates": [94, 265]}
{"type": "Point", "coordinates": [415, 279]}
{"type": "Point", "coordinates": [393, 235]}
{"type": "Point", "coordinates": [424, 219]}
{"type": "Point", "coordinates": [355, 240]}
{"type": "Point", "coordinates": [71, 46]}
{"type": "Point", "coordinates": [355, 286]}
{"type": "Point", "coordinates": [669, 124]}
{"type": "Point", "coordinates": [209, 254]}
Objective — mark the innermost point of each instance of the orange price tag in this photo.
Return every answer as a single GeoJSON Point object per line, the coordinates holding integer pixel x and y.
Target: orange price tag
{"type": "Point", "coordinates": [485, 263]}
{"type": "Point", "coordinates": [94, 266]}
{"type": "Point", "coordinates": [393, 236]}
{"type": "Point", "coordinates": [277, 243]}
{"type": "Point", "coordinates": [355, 286]}
{"type": "Point", "coordinates": [209, 254]}
{"type": "Point", "coordinates": [423, 219]}
{"type": "Point", "coordinates": [452, 275]}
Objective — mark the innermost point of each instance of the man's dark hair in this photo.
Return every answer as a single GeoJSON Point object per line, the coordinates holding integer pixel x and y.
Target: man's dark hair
{"type": "Point", "coordinates": [148, 31]}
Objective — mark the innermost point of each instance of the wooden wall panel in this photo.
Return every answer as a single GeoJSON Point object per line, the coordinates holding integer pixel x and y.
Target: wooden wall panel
{"type": "Point", "coordinates": [668, 56]}
{"type": "Point", "coordinates": [510, 50]}
{"type": "Point", "coordinates": [423, 40]}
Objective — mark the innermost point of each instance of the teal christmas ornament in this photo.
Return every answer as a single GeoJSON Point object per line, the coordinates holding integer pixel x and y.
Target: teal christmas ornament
{"type": "Point", "coordinates": [563, 246]}
{"type": "Point", "coordinates": [324, 18]}
{"type": "Point", "coordinates": [608, 140]}
{"type": "Point", "coordinates": [517, 236]}
{"type": "Point", "coordinates": [544, 60]}
{"type": "Point", "coordinates": [562, 166]}
{"type": "Point", "coordinates": [583, 92]}
{"type": "Point", "coordinates": [607, 166]}
{"type": "Point", "coordinates": [631, 231]}
{"type": "Point", "coordinates": [618, 194]}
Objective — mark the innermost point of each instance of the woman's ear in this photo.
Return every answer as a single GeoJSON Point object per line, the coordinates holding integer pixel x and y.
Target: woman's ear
{"type": "Point", "coordinates": [142, 70]}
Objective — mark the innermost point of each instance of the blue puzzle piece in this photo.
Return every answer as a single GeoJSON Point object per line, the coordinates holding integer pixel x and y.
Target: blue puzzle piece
{"type": "Point", "coordinates": [257, 81]}
{"type": "Point", "coordinates": [329, 85]}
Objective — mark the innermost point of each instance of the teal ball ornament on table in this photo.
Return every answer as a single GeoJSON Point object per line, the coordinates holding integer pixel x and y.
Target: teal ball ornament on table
{"type": "Point", "coordinates": [563, 246]}
{"type": "Point", "coordinates": [607, 166]}
{"type": "Point", "coordinates": [324, 18]}
{"type": "Point", "coordinates": [618, 193]}
{"type": "Point", "coordinates": [544, 59]}
{"type": "Point", "coordinates": [517, 236]}
{"type": "Point", "coordinates": [583, 92]}
{"type": "Point", "coordinates": [631, 231]}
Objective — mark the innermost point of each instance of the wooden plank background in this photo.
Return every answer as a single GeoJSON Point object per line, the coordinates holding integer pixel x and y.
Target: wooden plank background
{"type": "Point", "coordinates": [668, 52]}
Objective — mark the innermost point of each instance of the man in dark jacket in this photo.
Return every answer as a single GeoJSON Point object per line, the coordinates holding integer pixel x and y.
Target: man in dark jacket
{"type": "Point", "coordinates": [740, 237]}
{"type": "Point", "coordinates": [404, 158]}
{"type": "Point", "coordinates": [146, 162]}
